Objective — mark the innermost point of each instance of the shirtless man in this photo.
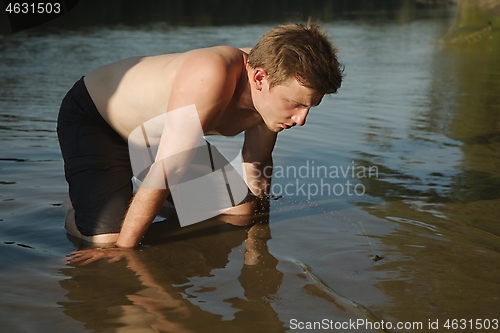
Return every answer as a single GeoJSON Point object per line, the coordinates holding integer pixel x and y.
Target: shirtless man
{"type": "Point", "coordinates": [261, 93]}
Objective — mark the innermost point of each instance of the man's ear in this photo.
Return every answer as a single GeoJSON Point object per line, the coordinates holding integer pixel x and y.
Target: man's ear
{"type": "Point", "coordinates": [259, 78]}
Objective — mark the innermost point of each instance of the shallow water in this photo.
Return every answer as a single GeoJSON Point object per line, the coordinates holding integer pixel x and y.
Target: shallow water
{"type": "Point", "coordinates": [417, 122]}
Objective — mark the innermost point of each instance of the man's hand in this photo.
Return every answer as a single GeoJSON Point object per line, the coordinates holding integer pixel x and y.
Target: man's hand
{"type": "Point", "coordinates": [246, 212]}
{"type": "Point", "coordinates": [87, 256]}
{"type": "Point", "coordinates": [251, 205]}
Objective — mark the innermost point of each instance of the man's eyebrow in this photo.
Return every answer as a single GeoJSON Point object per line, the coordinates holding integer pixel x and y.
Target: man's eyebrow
{"type": "Point", "coordinates": [299, 103]}
{"type": "Point", "coordinates": [306, 105]}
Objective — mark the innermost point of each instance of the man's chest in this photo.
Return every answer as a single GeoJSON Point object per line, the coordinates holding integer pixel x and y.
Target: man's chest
{"type": "Point", "coordinates": [233, 123]}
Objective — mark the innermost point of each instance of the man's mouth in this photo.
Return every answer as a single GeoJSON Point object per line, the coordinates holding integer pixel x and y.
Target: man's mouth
{"type": "Point", "coordinates": [285, 126]}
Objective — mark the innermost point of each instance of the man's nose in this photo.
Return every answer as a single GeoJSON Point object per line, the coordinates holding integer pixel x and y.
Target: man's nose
{"type": "Point", "coordinates": [299, 118]}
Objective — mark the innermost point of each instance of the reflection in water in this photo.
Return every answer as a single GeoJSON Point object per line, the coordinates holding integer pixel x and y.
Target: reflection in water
{"type": "Point", "coordinates": [443, 189]}
{"type": "Point", "coordinates": [464, 107]}
{"type": "Point", "coordinates": [474, 22]}
{"type": "Point", "coordinates": [178, 285]}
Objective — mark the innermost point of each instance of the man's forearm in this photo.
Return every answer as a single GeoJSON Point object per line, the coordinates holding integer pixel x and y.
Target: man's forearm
{"type": "Point", "coordinates": [141, 213]}
{"type": "Point", "coordinates": [258, 177]}
{"type": "Point", "coordinates": [267, 174]}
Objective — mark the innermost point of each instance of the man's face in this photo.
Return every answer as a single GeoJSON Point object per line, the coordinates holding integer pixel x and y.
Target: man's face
{"type": "Point", "coordinates": [286, 104]}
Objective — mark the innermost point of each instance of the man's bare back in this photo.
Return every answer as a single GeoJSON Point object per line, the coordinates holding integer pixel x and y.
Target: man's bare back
{"type": "Point", "coordinates": [130, 92]}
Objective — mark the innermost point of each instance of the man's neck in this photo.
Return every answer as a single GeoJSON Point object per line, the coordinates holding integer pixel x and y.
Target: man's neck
{"type": "Point", "coordinates": [243, 91]}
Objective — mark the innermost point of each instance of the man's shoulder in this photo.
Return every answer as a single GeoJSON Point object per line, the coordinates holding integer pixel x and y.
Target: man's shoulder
{"type": "Point", "coordinates": [221, 50]}
{"type": "Point", "coordinates": [214, 57]}
{"type": "Point", "coordinates": [214, 67]}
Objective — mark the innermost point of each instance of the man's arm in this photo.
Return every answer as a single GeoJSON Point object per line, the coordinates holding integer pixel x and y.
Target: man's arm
{"type": "Point", "coordinates": [257, 159]}
{"type": "Point", "coordinates": [207, 80]}
{"type": "Point", "coordinates": [145, 206]}
{"type": "Point", "coordinates": [257, 168]}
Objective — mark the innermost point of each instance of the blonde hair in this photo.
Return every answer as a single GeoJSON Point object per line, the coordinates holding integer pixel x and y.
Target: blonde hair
{"type": "Point", "coordinates": [303, 52]}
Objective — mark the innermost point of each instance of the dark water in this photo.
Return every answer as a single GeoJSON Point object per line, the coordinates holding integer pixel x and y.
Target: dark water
{"type": "Point", "coordinates": [417, 123]}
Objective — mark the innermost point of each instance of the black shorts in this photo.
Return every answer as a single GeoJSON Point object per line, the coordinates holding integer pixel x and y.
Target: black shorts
{"type": "Point", "coordinates": [96, 164]}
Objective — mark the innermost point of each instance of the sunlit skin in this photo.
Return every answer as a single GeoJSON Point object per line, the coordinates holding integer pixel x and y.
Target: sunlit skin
{"type": "Point", "coordinates": [234, 98]}
{"type": "Point", "coordinates": [285, 105]}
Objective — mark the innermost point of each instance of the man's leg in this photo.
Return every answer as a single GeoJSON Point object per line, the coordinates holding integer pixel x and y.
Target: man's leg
{"type": "Point", "coordinates": [97, 168]}
{"type": "Point", "coordinates": [70, 226]}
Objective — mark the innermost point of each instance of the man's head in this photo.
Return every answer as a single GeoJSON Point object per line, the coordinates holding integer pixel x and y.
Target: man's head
{"type": "Point", "coordinates": [301, 52]}
{"type": "Point", "coordinates": [291, 68]}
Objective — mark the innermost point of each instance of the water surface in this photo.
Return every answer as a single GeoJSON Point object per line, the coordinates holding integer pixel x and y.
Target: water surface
{"type": "Point", "coordinates": [424, 118]}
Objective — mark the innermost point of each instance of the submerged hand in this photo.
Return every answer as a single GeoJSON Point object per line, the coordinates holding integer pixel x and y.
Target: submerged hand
{"type": "Point", "coordinates": [87, 256]}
